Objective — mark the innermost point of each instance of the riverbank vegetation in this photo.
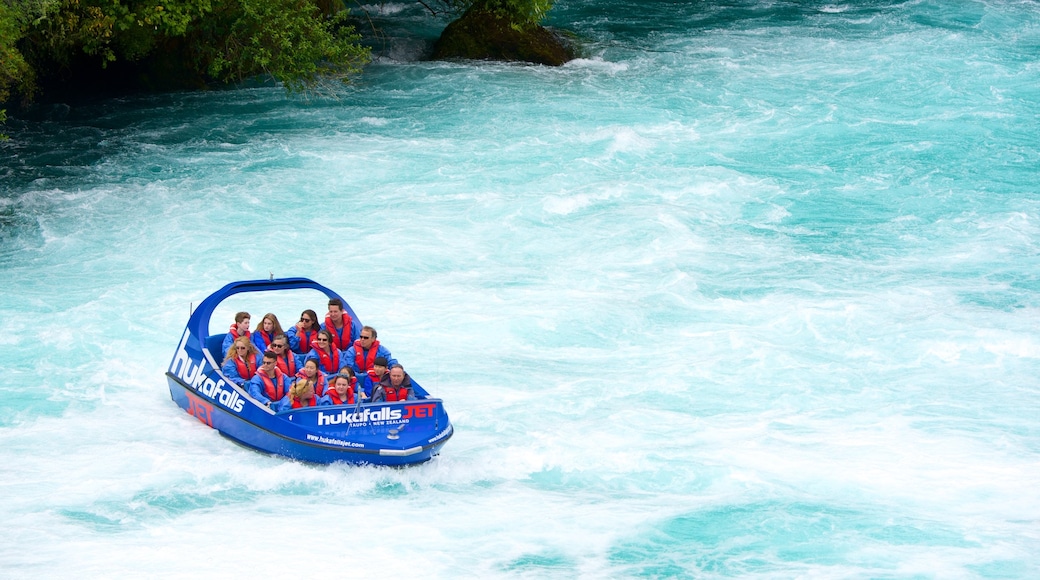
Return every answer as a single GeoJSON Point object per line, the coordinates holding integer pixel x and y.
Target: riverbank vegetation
{"type": "Point", "coordinates": [49, 46]}
{"type": "Point", "coordinates": [187, 42]}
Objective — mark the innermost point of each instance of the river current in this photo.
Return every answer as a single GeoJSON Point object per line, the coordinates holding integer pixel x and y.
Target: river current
{"type": "Point", "coordinates": [752, 289]}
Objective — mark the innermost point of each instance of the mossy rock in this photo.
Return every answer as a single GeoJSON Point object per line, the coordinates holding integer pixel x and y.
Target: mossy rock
{"type": "Point", "coordinates": [482, 35]}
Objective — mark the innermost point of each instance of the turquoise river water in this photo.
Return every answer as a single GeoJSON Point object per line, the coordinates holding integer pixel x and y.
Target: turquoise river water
{"type": "Point", "coordinates": [750, 290]}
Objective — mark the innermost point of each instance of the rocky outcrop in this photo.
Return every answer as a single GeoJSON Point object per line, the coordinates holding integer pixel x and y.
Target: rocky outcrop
{"type": "Point", "coordinates": [483, 35]}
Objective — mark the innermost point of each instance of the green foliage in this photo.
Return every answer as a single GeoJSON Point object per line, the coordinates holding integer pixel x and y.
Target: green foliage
{"type": "Point", "coordinates": [293, 40]}
{"type": "Point", "coordinates": [288, 39]}
{"type": "Point", "coordinates": [61, 30]}
{"type": "Point", "coordinates": [521, 13]}
{"type": "Point", "coordinates": [15, 72]}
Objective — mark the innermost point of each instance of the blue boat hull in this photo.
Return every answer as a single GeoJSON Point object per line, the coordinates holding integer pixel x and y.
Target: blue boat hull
{"type": "Point", "coordinates": [398, 433]}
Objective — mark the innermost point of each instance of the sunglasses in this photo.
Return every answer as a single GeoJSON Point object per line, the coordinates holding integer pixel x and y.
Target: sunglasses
{"type": "Point", "coordinates": [306, 320]}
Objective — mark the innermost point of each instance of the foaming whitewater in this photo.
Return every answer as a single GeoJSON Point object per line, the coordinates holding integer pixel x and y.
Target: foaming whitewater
{"type": "Point", "coordinates": [748, 290]}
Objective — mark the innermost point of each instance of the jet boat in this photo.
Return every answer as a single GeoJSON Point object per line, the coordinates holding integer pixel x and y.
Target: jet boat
{"type": "Point", "coordinates": [387, 433]}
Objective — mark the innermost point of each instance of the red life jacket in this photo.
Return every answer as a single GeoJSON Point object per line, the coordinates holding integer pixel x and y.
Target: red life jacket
{"type": "Point", "coordinates": [390, 393]}
{"type": "Point", "coordinates": [319, 385]}
{"type": "Point", "coordinates": [305, 340]}
{"type": "Point", "coordinates": [330, 364]}
{"type": "Point", "coordinates": [363, 363]}
{"type": "Point", "coordinates": [267, 338]}
{"type": "Point", "coordinates": [395, 394]}
{"type": "Point", "coordinates": [337, 334]}
{"type": "Point", "coordinates": [373, 377]}
{"type": "Point", "coordinates": [273, 391]}
{"type": "Point", "coordinates": [296, 404]}
{"type": "Point", "coordinates": [287, 363]}
{"type": "Point", "coordinates": [246, 368]}
{"type": "Point", "coordinates": [234, 330]}
{"type": "Point", "coordinates": [334, 397]}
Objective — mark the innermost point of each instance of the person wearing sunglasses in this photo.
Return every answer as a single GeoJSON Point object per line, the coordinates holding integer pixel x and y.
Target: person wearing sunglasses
{"type": "Point", "coordinates": [303, 333]}
{"type": "Point", "coordinates": [330, 359]}
{"type": "Point", "coordinates": [242, 361]}
{"type": "Point", "coordinates": [269, 385]}
{"type": "Point", "coordinates": [288, 361]}
{"type": "Point", "coordinates": [362, 355]}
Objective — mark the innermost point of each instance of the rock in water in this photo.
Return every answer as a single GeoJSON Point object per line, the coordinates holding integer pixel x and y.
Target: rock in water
{"type": "Point", "coordinates": [482, 35]}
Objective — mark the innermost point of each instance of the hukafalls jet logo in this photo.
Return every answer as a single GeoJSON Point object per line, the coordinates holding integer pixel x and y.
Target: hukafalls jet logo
{"type": "Point", "coordinates": [193, 372]}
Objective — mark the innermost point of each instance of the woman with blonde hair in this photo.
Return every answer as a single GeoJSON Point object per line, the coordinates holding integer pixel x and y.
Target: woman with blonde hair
{"type": "Point", "coordinates": [302, 394]}
{"type": "Point", "coordinates": [241, 361]}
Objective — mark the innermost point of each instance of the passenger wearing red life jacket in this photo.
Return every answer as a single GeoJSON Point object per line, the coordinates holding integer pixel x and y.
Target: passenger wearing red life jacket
{"type": "Point", "coordinates": [288, 361]}
{"type": "Point", "coordinates": [304, 332]}
{"type": "Point", "coordinates": [366, 349]}
{"type": "Point", "coordinates": [330, 359]}
{"type": "Point", "coordinates": [269, 328]}
{"type": "Point", "coordinates": [396, 386]}
{"type": "Point", "coordinates": [340, 324]}
{"type": "Point", "coordinates": [302, 394]}
{"type": "Point", "coordinates": [239, 328]}
{"type": "Point", "coordinates": [310, 372]}
{"type": "Point", "coordinates": [241, 362]}
{"type": "Point", "coordinates": [269, 385]}
{"type": "Point", "coordinates": [341, 392]}
{"type": "Point", "coordinates": [371, 378]}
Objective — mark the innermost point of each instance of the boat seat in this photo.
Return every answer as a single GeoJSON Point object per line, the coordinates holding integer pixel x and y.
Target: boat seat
{"type": "Point", "coordinates": [213, 344]}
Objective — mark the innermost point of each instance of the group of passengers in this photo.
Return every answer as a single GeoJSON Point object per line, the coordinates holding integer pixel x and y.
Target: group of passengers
{"type": "Point", "coordinates": [312, 364]}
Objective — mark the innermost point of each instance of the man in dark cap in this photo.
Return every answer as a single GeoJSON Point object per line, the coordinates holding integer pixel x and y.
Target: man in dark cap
{"type": "Point", "coordinates": [371, 378]}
